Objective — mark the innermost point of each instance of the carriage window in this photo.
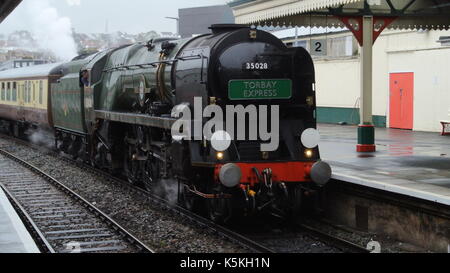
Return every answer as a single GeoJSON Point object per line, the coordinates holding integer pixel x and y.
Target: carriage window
{"type": "Point", "coordinates": [41, 92]}
{"type": "Point", "coordinates": [33, 98]}
{"type": "Point", "coordinates": [24, 89]}
{"type": "Point", "coordinates": [8, 91]}
{"type": "Point", "coordinates": [14, 91]}
{"type": "Point", "coordinates": [20, 92]}
{"type": "Point", "coordinates": [27, 91]}
{"type": "Point", "coordinates": [3, 93]}
{"type": "Point", "coordinates": [24, 96]}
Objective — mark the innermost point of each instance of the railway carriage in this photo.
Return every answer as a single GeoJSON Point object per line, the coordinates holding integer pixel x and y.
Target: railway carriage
{"type": "Point", "coordinates": [25, 97]}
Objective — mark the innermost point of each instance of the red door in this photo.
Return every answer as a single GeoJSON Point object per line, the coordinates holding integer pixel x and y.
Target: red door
{"type": "Point", "coordinates": [402, 101]}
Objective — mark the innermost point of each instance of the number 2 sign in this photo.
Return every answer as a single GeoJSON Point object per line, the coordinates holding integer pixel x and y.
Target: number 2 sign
{"type": "Point", "coordinates": [319, 47]}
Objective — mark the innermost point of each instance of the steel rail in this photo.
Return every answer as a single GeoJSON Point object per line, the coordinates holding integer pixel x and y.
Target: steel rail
{"type": "Point", "coordinates": [344, 245]}
{"type": "Point", "coordinates": [102, 217]}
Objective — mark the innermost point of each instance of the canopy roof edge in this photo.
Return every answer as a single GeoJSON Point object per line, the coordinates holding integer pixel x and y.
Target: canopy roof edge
{"type": "Point", "coordinates": [409, 14]}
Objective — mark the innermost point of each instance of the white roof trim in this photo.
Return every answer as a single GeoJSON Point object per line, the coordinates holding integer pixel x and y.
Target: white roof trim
{"type": "Point", "coordinates": [295, 13]}
{"type": "Point", "coordinates": [42, 70]}
{"type": "Point", "coordinates": [269, 10]}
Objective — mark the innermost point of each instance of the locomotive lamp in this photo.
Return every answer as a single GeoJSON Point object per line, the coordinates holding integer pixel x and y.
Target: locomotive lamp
{"type": "Point", "coordinates": [309, 153]}
{"type": "Point", "coordinates": [220, 156]}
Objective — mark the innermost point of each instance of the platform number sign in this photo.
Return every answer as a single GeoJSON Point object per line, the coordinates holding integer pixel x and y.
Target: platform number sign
{"type": "Point", "coordinates": [319, 47]}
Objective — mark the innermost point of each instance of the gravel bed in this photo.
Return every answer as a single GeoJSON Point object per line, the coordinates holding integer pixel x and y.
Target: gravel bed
{"type": "Point", "coordinates": [161, 230]}
{"type": "Point", "coordinates": [289, 242]}
{"type": "Point", "coordinates": [387, 244]}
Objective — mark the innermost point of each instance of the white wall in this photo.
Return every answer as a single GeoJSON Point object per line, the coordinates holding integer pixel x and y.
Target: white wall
{"type": "Point", "coordinates": [338, 80]}
{"type": "Point", "coordinates": [337, 83]}
{"type": "Point", "coordinates": [420, 53]}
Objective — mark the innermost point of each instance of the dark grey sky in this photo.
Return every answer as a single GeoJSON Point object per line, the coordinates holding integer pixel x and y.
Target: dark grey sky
{"type": "Point", "coordinates": [90, 16]}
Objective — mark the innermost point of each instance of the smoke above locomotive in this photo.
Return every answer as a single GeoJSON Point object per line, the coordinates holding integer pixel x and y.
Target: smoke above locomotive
{"type": "Point", "coordinates": [53, 32]}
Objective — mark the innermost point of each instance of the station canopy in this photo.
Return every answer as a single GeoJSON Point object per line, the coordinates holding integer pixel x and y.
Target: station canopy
{"type": "Point", "coordinates": [6, 7]}
{"type": "Point", "coordinates": [408, 14]}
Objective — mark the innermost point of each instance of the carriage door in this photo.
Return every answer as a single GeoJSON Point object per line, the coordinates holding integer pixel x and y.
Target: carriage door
{"type": "Point", "coordinates": [402, 101]}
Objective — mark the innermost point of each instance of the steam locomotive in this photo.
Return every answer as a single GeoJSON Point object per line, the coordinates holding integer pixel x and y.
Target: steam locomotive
{"type": "Point", "coordinates": [115, 110]}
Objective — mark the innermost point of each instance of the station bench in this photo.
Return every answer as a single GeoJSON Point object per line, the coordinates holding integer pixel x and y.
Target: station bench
{"type": "Point", "coordinates": [445, 127]}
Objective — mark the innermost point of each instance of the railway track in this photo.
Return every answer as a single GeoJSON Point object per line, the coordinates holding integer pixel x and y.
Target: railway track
{"type": "Point", "coordinates": [60, 220]}
{"type": "Point", "coordinates": [234, 234]}
{"type": "Point", "coordinates": [202, 222]}
{"type": "Point", "coordinates": [258, 244]}
{"type": "Point", "coordinates": [222, 231]}
{"type": "Point", "coordinates": [298, 238]}
{"type": "Point", "coordinates": [343, 245]}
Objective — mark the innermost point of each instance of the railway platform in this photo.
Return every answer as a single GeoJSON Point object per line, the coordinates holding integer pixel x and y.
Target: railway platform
{"type": "Point", "coordinates": [415, 164]}
{"type": "Point", "coordinates": [14, 237]}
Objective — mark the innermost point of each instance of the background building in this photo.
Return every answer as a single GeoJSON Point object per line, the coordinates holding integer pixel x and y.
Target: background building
{"type": "Point", "coordinates": [20, 63]}
{"type": "Point", "coordinates": [194, 21]}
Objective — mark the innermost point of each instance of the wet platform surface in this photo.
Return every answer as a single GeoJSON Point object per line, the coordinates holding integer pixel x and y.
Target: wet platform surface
{"type": "Point", "coordinates": [14, 237]}
{"type": "Point", "coordinates": [411, 163]}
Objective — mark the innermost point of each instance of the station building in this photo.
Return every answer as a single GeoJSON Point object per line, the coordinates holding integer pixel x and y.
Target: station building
{"type": "Point", "coordinates": [410, 86]}
{"type": "Point", "coordinates": [411, 82]}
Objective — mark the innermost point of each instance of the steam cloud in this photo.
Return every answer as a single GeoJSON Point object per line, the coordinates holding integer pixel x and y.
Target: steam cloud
{"type": "Point", "coordinates": [167, 189]}
{"type": "Point", "coordinates": [53, 32]}
{"type": "Point", "coordinates": [41, 138]}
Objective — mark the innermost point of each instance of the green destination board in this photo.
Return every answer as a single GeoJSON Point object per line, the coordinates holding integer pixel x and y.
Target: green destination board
{"type": "Point", "coordinates": [260, 89]}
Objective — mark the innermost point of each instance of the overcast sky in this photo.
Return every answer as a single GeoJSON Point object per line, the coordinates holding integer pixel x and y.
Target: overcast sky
{"type": "Point", "coordinates": [90, 16]}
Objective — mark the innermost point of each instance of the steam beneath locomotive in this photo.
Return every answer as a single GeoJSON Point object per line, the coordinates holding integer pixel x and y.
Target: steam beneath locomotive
{"type": "Point", "coordinates": [41, 137]}
{"type": "Point", "coordinates": [168, 189]}
{"type": "Point", "coordinates": [52, 31]}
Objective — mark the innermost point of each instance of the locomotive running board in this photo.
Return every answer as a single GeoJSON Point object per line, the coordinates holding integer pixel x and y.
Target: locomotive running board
{"type": "Point", "coordinates": [136, 119]}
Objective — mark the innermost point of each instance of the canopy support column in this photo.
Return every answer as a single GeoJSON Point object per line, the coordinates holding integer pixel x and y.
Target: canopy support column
{"type": "Point", "coordinates": [366, 130]}
{"type": "Point", "coordinates": [363, 27]}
